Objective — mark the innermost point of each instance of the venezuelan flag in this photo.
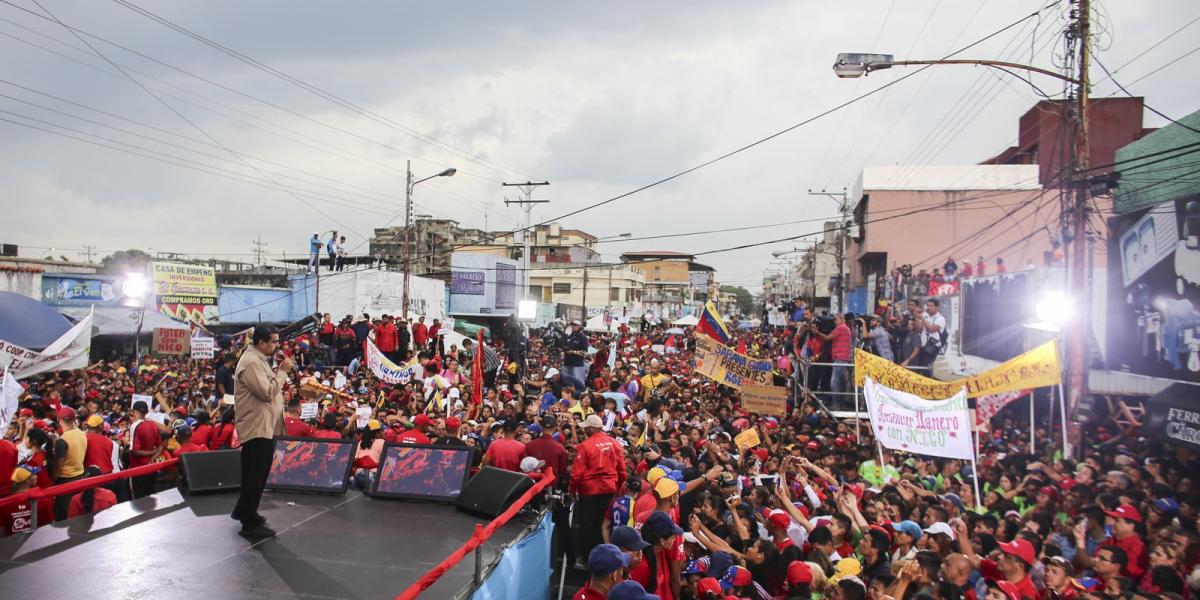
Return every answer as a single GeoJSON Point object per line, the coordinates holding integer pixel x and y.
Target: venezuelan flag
{"type": "Point", "coordinates": [711, 324]}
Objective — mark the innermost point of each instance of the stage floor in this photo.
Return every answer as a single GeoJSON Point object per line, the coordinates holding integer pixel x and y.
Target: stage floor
{"type": "Point", "coordinates": [168, 546]}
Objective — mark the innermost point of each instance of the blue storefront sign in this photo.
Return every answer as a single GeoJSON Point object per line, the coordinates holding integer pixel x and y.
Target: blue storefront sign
{"type": "Point", "coordinates": [79, 290]}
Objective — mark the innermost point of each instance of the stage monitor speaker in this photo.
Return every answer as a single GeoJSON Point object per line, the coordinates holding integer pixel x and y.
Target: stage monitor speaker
{"type": "Point", "coordinates": [208, 472]}
{"type": "Point", "coordinates": [491, 491]}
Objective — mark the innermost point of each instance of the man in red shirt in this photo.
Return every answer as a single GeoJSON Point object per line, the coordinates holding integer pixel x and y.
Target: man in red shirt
{"type": "Point", "coordinates": [146, 444]}
{"type": "Point", "coordinates": [1124, 522]}
{"type": "Point", "coordinates": [607, 564]}
{"type": "Point", "coordinates": [328, 429]}
{"type": "Point", "coordinates": [183, 435]}
{"type": "Point", "coordinates": [840, 342]}
{"type": "Point", "coordinates": [505, 452]}
{"type": "Point", "coordinates": [8, 462]}
{"type": "Point", "coordinates": [419, 434]}
{"type": "Point", "coordinates": [18, 517]}
{"type": "Point", "coordinates": [1015, 563]}
{"type": "Point", "coordinates": [292, 425]}
{"type": "Point", "coordinates": [420, 334]}
{"type": "Point", "coordinates": [548, 449]}
{"type": "Point", "coordinates": [99, 452]}
{"type": "Point", "coordinates": [387, 340]}
{"type": "Point", "coordinates": [596, 475]}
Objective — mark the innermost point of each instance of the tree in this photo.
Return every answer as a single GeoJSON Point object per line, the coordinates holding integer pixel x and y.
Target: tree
{"type": "Point", "coordinates": [745, 300]}
{"type": "Point", "coordinates": [124, 261]}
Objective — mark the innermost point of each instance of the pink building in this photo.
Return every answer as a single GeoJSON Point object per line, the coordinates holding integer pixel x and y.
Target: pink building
{"type": "Point", "coordinates": [921, 216]}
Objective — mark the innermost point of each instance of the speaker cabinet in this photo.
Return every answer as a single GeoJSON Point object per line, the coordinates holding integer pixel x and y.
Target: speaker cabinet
{"type": "Point", "coordinates": [491, 491]}
{"type": "Point", "coordinates": [210, 472]}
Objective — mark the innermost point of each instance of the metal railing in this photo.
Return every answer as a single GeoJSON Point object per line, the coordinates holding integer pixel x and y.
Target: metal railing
{"type": "Point", "coordinates": [802, 377]}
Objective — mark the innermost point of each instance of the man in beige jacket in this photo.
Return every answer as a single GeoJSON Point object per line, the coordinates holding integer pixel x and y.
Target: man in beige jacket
{"type": "Point", "coordinates": [258, 410]}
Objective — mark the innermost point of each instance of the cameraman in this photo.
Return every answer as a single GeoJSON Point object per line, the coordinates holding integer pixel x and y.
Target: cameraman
{"type": "Point", "coordinates": [876, 339]}
{"type": "Point", "coordinates": [840, 343]}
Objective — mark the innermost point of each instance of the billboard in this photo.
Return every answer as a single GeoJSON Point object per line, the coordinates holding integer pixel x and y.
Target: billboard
{"type": "Point", "coordinates": [1154, 299]}
{"type": "Point", "coordinates": [79, 290]}
{"type": "Point", "coordinates": [483, 284]}
{"type": "Point", "coordinates": [185, 292]}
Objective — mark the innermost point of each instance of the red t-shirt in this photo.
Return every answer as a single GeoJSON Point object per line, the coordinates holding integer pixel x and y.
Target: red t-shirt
{"type": "Point", "coordinates": [201, 433]}
{"type": "Point", "coordinates": [587, 593]}
{"type": "Point", "coordinates": [839, 338]}
{"type": "Point", "coordinates": [102, 499]}
{"type": "Point", "coordinates": [326, 434]}
{"type": "Point", "coordinates": [641, 572]}
{"type": "Point", "coordinates": [98, 453]}
{"type": "Point", "coordinates": [412, 436]}
{"type": "Point", "coordinates": [1026, 589]}
{"type": "Point", "coordinates": [294, 427]}
{"type": "Point", "coordinates": [222, 435]}
{"type": "Point", "coordinates": [145, 437]}
{"type": "Point", "coordinates": [506, 453]}
{"type": "Point", "coordinates": [190, 447]}
{"type": "Point", "coordinates": [19, 517]}
{"type": "Point", "coordinates": [1135, 549]}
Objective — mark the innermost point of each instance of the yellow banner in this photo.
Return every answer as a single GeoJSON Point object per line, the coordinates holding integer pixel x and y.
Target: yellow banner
{"type": "Point", "coordinates": [1037, 368]}
{"type": "Point", "coordinates": [722, 364]}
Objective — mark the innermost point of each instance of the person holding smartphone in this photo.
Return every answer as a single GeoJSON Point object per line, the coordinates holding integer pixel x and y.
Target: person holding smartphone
{"type": "Point", "coordinates": [258, 417]}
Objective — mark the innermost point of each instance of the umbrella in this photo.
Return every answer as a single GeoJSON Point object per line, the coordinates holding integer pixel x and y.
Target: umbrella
{"type": "Point", "coordinates": [690, 320]}
{"type": "Point", "coordinates": [28, 323]}
{"type": "Point", "coordinates": [674, 331]}
{"type": "Point", "coordinates": [744, 325]}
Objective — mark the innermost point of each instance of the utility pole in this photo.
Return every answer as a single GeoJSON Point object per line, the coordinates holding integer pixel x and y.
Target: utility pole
{"type": "Point", "coordinates": [1080, 279]}
{"type": "Point", "coordinates": [526, 188]}
{"type": "Point", "coordinates": [87, 251]}
{"type": "Point", "coordinates": [407, 250]}
{"type": "Point", "coordinates": [843, 224]}
{"type": "Point", "coordinates": [258, 250]}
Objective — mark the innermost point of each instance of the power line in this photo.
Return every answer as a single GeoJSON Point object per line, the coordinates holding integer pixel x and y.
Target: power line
{"type": "Point", "coordinates": [1177, 59]}
{"type": "Point", "coordinates": [1148, 107]}
{"type": "Point", "coordinates": [1147, 50]}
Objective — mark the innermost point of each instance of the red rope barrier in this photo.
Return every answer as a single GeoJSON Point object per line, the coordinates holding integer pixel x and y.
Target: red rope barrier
{"type": "Point", "coordinates": [74, 487]}
{"type": "Point", "coordinates": [481, 535]}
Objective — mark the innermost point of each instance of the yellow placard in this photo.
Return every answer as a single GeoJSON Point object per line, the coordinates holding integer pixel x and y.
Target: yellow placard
{"type": "Point", "coordinates": [765, 400]}
{"type": "Point", "coordinates": [1037, 368]}
{"type": "Point", "coordinates": [722, 364]}
{"type": "Point", "coordinates": [747, 439]}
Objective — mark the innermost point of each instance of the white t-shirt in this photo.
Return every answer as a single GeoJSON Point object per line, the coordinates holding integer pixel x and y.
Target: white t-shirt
{"type": "Point", "coordinates": [938, 320]}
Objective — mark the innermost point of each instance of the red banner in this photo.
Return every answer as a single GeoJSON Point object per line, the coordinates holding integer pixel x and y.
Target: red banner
{"type": "Point", "coordinates": [943, 288]}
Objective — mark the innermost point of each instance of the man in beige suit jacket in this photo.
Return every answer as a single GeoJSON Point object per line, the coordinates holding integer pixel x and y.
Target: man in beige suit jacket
{"type": "Point", "coordinates": [258, 416]}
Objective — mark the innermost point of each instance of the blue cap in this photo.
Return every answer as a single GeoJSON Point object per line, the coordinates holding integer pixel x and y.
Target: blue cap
{"type": "Point", "coordinates": [1167, 505]}
{"type": "Point", "coordinates": [630, 590]}
{"type": "Point", "coordinates": [696, 567]}
{"type": "Point", "coordinates": [676, 476]}
{"type": "Point", "coordinates": [535, 429]}
{"type": "Point", "coordinates": [909, 527]}
{"type": "Point", "coordinates": [719, 564]}
{"type": "Point", "coordinates": [627, 538]}
{"type": "Point", "coordinates": [954, 499]}
{"type": "Point", "coordinates": [605, 559]}
{"type": "Point", "coordinates": [658, 524]}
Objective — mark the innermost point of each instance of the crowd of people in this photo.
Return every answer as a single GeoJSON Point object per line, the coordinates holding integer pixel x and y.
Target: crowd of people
{"type": "Point", "coordinates": [662, 501]}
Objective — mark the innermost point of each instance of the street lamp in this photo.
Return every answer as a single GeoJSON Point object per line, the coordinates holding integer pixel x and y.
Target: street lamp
{"type": "Point", "coordinates": [851, 65]}
{"type": "Point", "coordinates": [408, 190]}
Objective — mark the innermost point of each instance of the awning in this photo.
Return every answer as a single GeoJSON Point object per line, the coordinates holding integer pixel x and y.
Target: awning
{"type": "Point", "coordinates": [28, 323]}
{"type": "Point", "coordinates": [1173, 415]}
{"type": "Point", "coordinates": [122, 320]}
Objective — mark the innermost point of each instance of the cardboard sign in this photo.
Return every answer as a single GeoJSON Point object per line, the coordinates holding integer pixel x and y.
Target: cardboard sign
{"type": "Point", "coordinates": [308, 410]}
{"type": "Point", "coordinates": [447, 325]}
{"type": "Point", "coordinates": [228, 400]}
{"type": "Point", "coordinates": [149, 400]}
{"type": "Point", "coordinates": [171, 341]}
{"type": "Point", "coordinates": [722, 364]}
{"type": "Point", "coordinates": [203, 347]}
{"type": "Point", "coordinates": [747, 439]}
{"type": "Point", "coordinates": [157, 417]}
{"type": "Point", "coordinates": [765, 400]}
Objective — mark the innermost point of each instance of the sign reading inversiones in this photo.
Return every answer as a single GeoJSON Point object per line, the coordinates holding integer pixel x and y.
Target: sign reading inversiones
{"type": "Point", "coordinates": [724, 365]}
{"type": "Point", "coordinates": [765, 400]}
{"type": "Point", "coordinates": [185, 292]}
{"type": "Point", "coordinates": [1037, 368]}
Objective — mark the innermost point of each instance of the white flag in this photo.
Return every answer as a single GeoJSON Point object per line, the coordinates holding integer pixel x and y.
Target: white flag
{"type": "Point", "coordinates": [9, 395]}
{"type": "Point", "coordinates": [66, 353]}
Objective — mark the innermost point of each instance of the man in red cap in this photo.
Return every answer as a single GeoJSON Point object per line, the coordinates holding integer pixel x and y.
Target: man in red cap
{"type": "Point", "coordinates": [1124, 522]}
{"type": "Point", "coordinates": [1016, 563]}
{"type": "Point", "coordinates": [505, 452]}
{"type": "Point", "coordinates": [69, 449]}
{"type": "Point", "coordinates": [596, 475]}
{"type": "Point", "coordinates": [419, 433]}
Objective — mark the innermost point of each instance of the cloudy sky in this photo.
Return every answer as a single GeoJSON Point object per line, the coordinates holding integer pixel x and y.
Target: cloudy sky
{"type": "Point", "coordinates": [598, 98]}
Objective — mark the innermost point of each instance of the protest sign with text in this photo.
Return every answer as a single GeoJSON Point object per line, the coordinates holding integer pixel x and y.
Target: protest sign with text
{"type": "Point", "coordinates": [906, 422]}
{"type": "Point", "coordinates": [387, 370]}
{"type": "Point", "coordinates": [1037, 368]}
{"type": "Point", "coordinates": [765, 400]}
{"type": "Point", "coordinates": [203, 347]}
{"type": "Point", "coordinates": [724, 365]}
{"type": "Point", "coordinates": [69, 351]}
{"type": "Point", "coordinates": [170, 341]}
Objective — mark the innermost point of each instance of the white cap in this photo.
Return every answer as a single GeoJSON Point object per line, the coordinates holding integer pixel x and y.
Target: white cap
{"type": "Point", "coordinates": [594, 421]}
{"type": "Point", "coordinates": [530, 464]}
{"type": "Point", "coordinates": [941, 528]}
{"type": "Point", "coordinates": [551, 372]}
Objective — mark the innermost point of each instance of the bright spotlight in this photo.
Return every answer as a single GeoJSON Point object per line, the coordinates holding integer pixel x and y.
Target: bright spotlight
{"type": "Point", "coordinates": [1053, 308]}
{"type": "Point", "coordinates": [527, 310]}
{"type": "Point", "coordinates": [134, 286]}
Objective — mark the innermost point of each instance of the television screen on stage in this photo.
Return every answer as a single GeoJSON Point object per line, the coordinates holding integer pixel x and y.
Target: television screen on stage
{"type": "Point", "coordinates": [422, 472]}
{"type": "Point", "coordinates": [311, 465]}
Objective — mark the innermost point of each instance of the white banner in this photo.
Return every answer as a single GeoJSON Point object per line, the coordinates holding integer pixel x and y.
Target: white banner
{"type": "Point", "coordinates": [203, 347]}
{"type": "Point", "coordinates": [10, 397]}
{"type": "Point", "coordinates": [387, 370]}
{"type": "Point", "coordinates": [66, 353]}
{"type": "Point", "coordinates": [908, 423]}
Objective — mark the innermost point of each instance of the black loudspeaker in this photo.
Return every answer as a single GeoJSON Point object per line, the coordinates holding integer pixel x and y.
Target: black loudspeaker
{"type": "Point", "coordinates": [206, 472]}
{"type": "Point", "coordinates": [1083, 410]}
{"type": "Point", "coordinates": [491, 491]}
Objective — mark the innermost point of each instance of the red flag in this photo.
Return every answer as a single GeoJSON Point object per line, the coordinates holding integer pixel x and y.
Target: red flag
{"type": "Point", "coordinates": [741, 347]}
{"type": "Point", "coordinates": [477, 371]}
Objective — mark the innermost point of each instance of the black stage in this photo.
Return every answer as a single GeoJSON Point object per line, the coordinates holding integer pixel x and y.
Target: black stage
{"type": "Point", "coordinates": [169, 546]}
